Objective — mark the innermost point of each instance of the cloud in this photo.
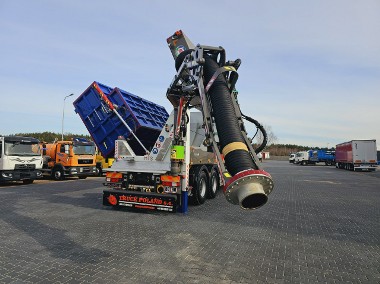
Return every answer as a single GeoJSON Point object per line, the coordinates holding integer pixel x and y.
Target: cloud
{"type": "Point", "coordinates": [311, 70]}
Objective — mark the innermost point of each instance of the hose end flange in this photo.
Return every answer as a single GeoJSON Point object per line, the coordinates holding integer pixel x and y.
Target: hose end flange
{"type": "Point", "coordinates": [249, 188]}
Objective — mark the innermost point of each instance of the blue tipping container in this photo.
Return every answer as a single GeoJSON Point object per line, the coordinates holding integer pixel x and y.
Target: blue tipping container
{"type": "Point", "coordinates": [145, 118]}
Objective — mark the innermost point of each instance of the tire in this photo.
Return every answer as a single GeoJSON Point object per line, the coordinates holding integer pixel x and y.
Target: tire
{"type": "Point", "coordinates": [303, 163]}
{"type": "Point", "coordinates": [99, 170]}
{"type": "Point", "coordinates": [82, 177]}
{"type": "Point", "coordinates": [200, 185]}
{"type": "Point", "coordinates": [57, 174]}
{"type": "Point", "coordinates": [28, 181]}
{"type": "Point", "coordinates": [214, 183]}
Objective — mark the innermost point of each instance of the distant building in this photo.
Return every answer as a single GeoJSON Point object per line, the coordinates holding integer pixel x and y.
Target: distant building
{"type": "Point", "coordinates": [266, 155]}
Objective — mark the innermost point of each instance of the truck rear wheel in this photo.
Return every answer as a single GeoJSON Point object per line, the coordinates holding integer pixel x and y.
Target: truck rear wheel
{"type": "Point", "coordinates": [57, 174]}
{"type": "Point", "coordinates": [214, 183]}
{"type": "Point", "coordinates": [200, 185]}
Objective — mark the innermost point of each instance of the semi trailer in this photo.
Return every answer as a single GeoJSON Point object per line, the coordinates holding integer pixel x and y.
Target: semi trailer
{"type": "Point", "coordinates": [356, 155]}
{"type": "Point", "coordinates": [202, 145]}
{"type": "Point", "coordinates": [20, 159]}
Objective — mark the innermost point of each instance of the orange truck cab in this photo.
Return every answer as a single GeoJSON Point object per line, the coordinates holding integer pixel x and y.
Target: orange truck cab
{"type": "Point", "coordinates": [69, 158]}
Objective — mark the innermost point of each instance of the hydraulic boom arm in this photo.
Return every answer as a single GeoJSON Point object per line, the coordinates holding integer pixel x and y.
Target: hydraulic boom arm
{"type": "Point", "coordinates": [206, 81]}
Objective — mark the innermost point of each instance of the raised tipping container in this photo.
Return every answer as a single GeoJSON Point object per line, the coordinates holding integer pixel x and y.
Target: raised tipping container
{"type": "Point", "coordinates": [144, 117]}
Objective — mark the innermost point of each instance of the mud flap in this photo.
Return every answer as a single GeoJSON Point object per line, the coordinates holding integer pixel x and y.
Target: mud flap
{"type": "Point", "coordinates": [138, 201]}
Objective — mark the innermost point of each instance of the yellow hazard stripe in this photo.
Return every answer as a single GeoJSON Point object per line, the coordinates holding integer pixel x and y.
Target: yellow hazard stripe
{"type": "Point", "coordinates": [234, 146]}
{"type": "Point", "coordinates": [229, 68]}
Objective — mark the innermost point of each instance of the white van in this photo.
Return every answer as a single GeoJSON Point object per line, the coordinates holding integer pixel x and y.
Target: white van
{"type": "Point", "coordinates": [292, 157]}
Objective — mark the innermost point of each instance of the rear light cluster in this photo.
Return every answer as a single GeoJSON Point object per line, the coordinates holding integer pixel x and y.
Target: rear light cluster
{"type": "Point", "coordinates": [167, 189]}
{"type": "Point", "coordinates": [169, 184]}
{"type": "Point", "coordinates": [114, 180]}
{"type": "Point", "coordinates": [163, 184]}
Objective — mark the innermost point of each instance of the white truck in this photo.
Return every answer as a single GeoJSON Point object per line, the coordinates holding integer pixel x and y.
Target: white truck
{"type": "Point", "coordinates": [302, 158]}
{"type": "Point", "coordinates": [312, 157]}
{"type": "Point", "coordinates": [292, 157]}
{"type": "Point", "coordinates": [20, 159]}
{"type": "Point", "coordinates": [356, 155]}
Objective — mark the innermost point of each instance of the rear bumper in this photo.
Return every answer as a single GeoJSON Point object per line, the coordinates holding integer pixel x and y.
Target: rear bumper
{"type": "Point", "coordinates": [139, 201]}
{"type": "Point", "coordinates": [365, 166]}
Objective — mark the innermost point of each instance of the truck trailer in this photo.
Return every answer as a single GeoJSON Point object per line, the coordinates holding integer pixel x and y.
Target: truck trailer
{"type": "Point", "coordinates": [201, 146]}
{"type": "Point", "coordinates": [20, 159]}
{"type": "Point", "coordinates": [323, 156]}
{"type": "Point", "coordinates": [74, 158]}
{"type": "Point", "coordinates": [356, 155]}
{"type": "Point", "coordinates": [312, 157]}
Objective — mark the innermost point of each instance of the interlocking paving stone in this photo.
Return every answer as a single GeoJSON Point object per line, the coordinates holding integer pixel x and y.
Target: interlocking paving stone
{"type": "Point", "coordinates": [321, 225]}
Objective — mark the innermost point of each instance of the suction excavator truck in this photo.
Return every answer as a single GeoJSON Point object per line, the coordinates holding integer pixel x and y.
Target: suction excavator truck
{"type": "Point", "coordinates": [175, 168]}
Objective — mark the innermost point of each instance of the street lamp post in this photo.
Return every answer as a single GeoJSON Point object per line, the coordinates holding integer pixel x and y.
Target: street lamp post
{"type": "Point", "coordinates": [63, 112]}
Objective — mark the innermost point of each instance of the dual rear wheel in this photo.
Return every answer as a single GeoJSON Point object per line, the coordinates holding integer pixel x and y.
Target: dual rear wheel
{"type": "Point", "coordinates": [205, 182]}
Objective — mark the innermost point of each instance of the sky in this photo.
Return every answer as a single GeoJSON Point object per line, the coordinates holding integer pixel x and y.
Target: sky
{"type": "Point", "coordinates": [310, 69]}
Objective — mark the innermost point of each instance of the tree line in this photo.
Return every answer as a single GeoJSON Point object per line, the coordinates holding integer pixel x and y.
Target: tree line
{"type": "Point", "coordinates": [286, 149]}
{"type": "Point", "coordinates": [52, 136]}
{"type": "Point", "coordinates": [273, 148]}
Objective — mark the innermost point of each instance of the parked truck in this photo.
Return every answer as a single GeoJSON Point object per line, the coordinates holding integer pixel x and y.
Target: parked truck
{"type": "Point", "coordinates": [292, 157]}
{"type": "Point", "coordinates": [322, 156]}
{"type": "Point", "coordinates": [75, 158]}
{"type": "Point", "coordinates": [356, 155]}
{"type": "Point", "coordinates": [312, 157]}
{"type": "Point", "coordinates": [20, 159]}
{"type": "Point", "coordinates": [163, 176]}
{"type": "Point", "coordinates": [102, 163]}
{"type": "Point", "coordinates": [302, 157]}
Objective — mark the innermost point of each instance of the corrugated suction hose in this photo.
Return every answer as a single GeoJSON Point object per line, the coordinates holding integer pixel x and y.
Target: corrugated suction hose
{"type": "Point", "coordinates": [236, 155]}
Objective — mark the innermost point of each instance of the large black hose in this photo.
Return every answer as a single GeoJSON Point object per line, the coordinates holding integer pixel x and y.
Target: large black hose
{"type": "Point", "coordinates": [236, 160]}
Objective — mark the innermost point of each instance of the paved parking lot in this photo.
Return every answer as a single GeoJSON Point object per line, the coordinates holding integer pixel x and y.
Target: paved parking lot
{"type": "Point", "coordinates": [321, 225]}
